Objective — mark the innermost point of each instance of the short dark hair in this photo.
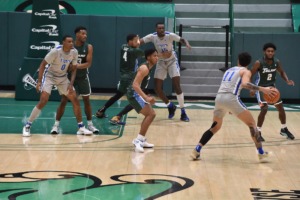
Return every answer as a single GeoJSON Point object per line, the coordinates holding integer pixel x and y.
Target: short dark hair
{"type": "Point", "coordinates": [149, 52]}
{"type": "Point", "coordinates": [159, 23]}
{"type": "Point", "coordinates": [130, 37]}
{"type": "Point", "coordinates": [269, 45]}
{"type": "Point", "coordinates": [79, 28]}
{"type": "Point", "coordinates": [244, 59]}
{"type": "Point", "coordinates": [66, 36]}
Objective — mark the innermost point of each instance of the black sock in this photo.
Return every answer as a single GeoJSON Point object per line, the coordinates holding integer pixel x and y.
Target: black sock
{"type": "Point", "coordinates": [125, 110]}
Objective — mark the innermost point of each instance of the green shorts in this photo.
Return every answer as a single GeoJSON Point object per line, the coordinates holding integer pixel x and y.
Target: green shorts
{"type": "Point", "coordinates": [123, 85]}
{"type": "Point", "coordinates": [82, 85]}
{"type": "Point", "coordinates": [137, 102]}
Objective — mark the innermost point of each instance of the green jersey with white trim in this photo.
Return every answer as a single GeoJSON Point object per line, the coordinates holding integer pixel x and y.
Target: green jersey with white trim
{"type": "Point", "coordinates": [82, 54]}
{"type": "Point", "coordinates": [266, 74]}
{"type": "Point", "coordinates": [129, 60]}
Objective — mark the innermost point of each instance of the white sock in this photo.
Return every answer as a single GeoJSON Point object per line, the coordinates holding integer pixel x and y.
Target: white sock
{"type": "Point", "coordinates": [56, 123]}
{"type": "Point", "coordinates": [34, 114]}
{"type": "Point", "coordinates": [283, 126]}
{"type": "Point", "coordinates": [168, 103]}
{"type": "Point", "coordinates": [259, 129]}
{"type": "Point", "coordinates": [180, 99]}
{"type": "Point", "coordinates": [141, 137]}
{"type": "Point", "coordinates": [90, 123]}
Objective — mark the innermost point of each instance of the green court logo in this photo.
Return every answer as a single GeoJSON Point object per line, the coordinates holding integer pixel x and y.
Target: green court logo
{"type": "Point", "coordinates": [74, 185]}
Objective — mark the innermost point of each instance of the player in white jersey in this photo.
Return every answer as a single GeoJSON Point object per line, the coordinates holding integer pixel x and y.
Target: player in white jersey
{"type": "Point", "coordinates": [167, 64]}
{"type": "Point", "coordinates": [53, 72]}
{"type": "Point", "coordinates": [228, 100]}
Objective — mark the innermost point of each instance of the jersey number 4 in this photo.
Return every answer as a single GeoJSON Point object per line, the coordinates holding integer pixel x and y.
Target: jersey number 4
{"type": "Point", "coordinates": [125, 56]}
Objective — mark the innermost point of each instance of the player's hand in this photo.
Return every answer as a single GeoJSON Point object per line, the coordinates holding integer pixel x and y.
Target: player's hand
{"type": "Point", "coordinates": [70, 89]}
{"type": "Point", "coordinates": [150, 100]}
{"type": "Point", "coordinates": [270, 91]}
{"type": "Point", "coordinates": [188, 46]}
{"type": "Point", "coordinates": [38, 87]}
{"type": "Point", "coordinates": [252, 93]}
{"type": "Point", "coordinates": [290, 82]}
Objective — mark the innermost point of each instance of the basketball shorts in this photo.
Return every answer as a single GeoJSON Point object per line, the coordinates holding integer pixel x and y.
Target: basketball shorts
{"type": "Point", "coordinates": [227, 102]}
{"type": "Point", "coordinates": [49, 83]}
{"type": "Point", "coordinates": [82, 85]}
{"type": "Point", "coordinates": [170, 67]}
{"type": "Point", "coordinates": [123, 85]}
{"type": "Point", "coordinates": [137, 102]}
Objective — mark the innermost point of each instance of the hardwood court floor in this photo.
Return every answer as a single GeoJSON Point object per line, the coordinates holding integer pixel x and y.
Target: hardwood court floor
{"type": "Point", "coordinates": [105, 166]}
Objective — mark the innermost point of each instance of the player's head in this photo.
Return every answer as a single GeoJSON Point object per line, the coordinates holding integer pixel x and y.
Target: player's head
{"type": "Point", "coordinates": [244, 59]}
{"type": "Point", "coordinates": [81, 33]}
{"type": "Point", "coordinates": [269, 50]}
{"type": "Point", "coordinates": [151, 56]}
{"type": "Point", "coordinates": [160, 29]}
{"type": "Point", "coordinates": [67, 42]}
{"type": "Point", "coordinates": [133, 40]}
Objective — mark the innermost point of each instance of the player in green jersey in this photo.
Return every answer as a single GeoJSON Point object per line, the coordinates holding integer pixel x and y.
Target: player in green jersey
{"type": "Point", "coordinates": [81, 83]}
{"type": "Point", "coordinates": [128, 64]}
{"type": "Point", "coordinates": [141, 101]}
{"type": "Point", "coordinates": [266, 70]}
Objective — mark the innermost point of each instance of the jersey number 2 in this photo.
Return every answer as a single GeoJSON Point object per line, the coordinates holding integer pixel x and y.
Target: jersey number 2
{"type": "Point", "coordinates": [269, 77]}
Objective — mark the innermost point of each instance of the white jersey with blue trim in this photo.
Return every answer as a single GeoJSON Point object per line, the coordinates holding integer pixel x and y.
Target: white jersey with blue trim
{"type": "Point", "coordinates": [163, 44]}
{"type": "Point", "coordinates": [59, 61]}
{"type": "Point", "coordinates": [231, 81]}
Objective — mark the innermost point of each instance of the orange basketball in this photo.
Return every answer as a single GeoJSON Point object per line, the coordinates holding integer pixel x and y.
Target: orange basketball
{"type": "Point", "coordinates": [272, 100]}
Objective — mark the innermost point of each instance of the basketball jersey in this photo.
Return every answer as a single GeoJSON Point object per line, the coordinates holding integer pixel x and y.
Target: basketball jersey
{"type": "Point", "coordinates": [231, 81]}
{"type": "Point", "coordinates": [129, 60]}
{"type": "Point", "coordinates": [82, 53]}
{"type": "Point", "coordinates": [266, 75]}
{"type": "Point", "coordinates": [164, 44]}
{"type": "Point", "coordinates": [59, 61]}
{"type": "Point", "coordinates": [145, 81]}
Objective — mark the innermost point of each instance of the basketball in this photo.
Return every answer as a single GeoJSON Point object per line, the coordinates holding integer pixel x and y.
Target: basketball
{"type": "Point", "coordinates": [272, 100]}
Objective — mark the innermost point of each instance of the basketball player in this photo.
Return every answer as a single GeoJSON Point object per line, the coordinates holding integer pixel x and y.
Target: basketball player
{"type": "Point", "coordinates": [128, 64]}
{"type": "Point", "coordinates": [266, 69]}
{"type": "Point", "coordinates": [167, 63]}
{"type": "Point", "coordinates": [142, 102]}
{"type": "Point", "coordinates": [53, 72]}
{"type": "Point", "coordinates": [82, 82]}
{"type": "Point", "coordinates": [228, 100]}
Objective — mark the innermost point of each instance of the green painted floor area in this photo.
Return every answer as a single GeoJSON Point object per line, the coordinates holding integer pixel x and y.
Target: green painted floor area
{"type": "Point", "coordinates": [13, 115]}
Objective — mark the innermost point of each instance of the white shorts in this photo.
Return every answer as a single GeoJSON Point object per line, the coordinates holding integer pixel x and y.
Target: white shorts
{"type": "Point", "coordinates": [227, 102]}
{"type": "Point", "coordinates": [163, 67]}
{"type": "Point", "coordinates": [49, 83]}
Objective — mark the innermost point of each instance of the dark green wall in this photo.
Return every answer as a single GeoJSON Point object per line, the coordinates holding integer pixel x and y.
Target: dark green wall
{"type": "Point", "coordinates": [288, 52]}
{"type": "Point", "coordinates": [105, 33]}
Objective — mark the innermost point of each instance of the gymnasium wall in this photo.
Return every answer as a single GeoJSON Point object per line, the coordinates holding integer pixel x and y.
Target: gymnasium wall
{"type": "Point", "coordinates": [105, 33]}
{"type": "Point", "coordinates": [287, 52]}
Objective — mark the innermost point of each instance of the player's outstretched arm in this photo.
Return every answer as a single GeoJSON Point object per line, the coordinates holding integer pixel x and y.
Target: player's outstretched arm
{"type": "Point", "coordinates": [284, 75]}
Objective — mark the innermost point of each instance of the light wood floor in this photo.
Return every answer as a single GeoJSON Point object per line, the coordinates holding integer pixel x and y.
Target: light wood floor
{"type": "Point", "coordinates": [228, 168]}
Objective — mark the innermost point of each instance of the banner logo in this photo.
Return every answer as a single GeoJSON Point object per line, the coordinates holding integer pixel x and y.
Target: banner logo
{"type": "Point", "coordinates": [50, 13]}
{"type": "Point", "coordinates": [30, 82]}
{"type": "Point", "coordinates": [45, 47]}
{"type": "Point", "coordinates": [49, 29]}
